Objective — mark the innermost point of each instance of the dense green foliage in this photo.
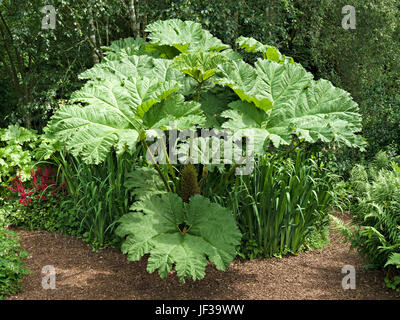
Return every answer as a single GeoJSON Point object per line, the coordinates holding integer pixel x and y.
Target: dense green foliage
{"type": "Point", "coordinates": [282, 207]}
{"type": "Point", "coordinates": [12, 268]}
{"type": "Point", "coordinates": [363, 61]}
{"type": "Point", "coordinates": [98, 198]}
{"type": "Point", "coordinates": [112, 73]}
{"type": "Point", "coordinates": [17, 157]}
{"type": "Point", "coordinates": [173, 82]}
{"type": "Point", "coordinates": [277, 99]}
{"type": "Point", "coordinates": [375, 231]}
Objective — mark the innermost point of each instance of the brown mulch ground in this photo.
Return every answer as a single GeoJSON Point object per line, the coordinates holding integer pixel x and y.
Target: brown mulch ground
{"type": "Point", "coordinates": [83, 274]}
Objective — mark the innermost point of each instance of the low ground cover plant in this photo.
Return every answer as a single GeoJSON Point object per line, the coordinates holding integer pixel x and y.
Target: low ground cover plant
{"type": "Point", "coordinates": [29, 191]}
{"type": "Point", "coordinates": [12, 268]}
{"type": "Point", "coordinates": [34, 203]}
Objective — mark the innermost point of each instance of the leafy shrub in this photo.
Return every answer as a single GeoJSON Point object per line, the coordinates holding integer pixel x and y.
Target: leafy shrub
{"type": "Point", "coordinates": [12, 269]}
{"type": "Point", "coordinates": [375, 231]}
{"type": "Point", "coordinates": [16, 152]}
{"type": "Point", "coordinates": [29, 196]}
{"type": "Point", "coordinates": [34, 204]}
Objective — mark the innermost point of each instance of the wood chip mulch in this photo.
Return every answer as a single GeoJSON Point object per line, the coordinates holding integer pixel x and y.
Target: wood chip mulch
{"type": "Point", "coordinates": [82, 274]}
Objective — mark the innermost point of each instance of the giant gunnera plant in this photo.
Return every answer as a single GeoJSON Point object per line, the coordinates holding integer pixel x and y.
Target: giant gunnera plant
{"type": "Point", "coordinates": [185, 78]}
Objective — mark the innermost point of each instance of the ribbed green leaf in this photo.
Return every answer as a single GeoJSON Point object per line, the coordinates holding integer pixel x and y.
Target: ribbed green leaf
{"type": "Point", "coordinates": [90, 133]}
{"type": "Point", "coordinates": [213, 103]}
{"type": "Point", "coordinates": [266, 84]}
{"type": "Point", "coordinates": [125, 48]}
{"type": "Point", "coordinates": [312, 110]}
{"type": "Point", "coordinates": [110, 117]}
{"type": "Point", "coordinates": [175, 110]}
{"type": "Point", "coordinates": [269, 52]}
{"type": "Point", "coordinates": [132, 66]}
{"type": "Point", "coordinates": [200, 65]}
{"type": "Point", "coordinates": [144, 182]}
{"type": "Point", "coordinates": [185, 36]}
{"type": "Point", "coordinates": [210, 231]}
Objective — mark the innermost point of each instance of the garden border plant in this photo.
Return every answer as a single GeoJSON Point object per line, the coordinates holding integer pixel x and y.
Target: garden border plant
{"type": "Point", "coordinates": [174, 78]}
{"type": "Point", "coordinates": [12, 268]}
{"type": "Point", "coordinates": [374, 231]}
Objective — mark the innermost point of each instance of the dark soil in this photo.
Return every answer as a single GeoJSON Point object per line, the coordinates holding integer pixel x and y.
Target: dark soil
{"type": "Point", "coordinates": [83, 274]}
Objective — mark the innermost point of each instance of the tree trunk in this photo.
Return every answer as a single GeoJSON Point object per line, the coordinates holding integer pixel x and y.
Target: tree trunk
{"type": "Point", "coordinates": [134, 23]}
{"type": "Point", "coordinates": [93, 37]}
{"type": "Point", "coordinates": [236, 28]}
{"type": "Point", "coordinates": [144, 22]}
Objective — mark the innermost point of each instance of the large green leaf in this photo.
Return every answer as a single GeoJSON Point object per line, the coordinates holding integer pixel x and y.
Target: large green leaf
{"type": "Point", "coordinates": [269, 52]}
{"type": "Point", "coordinates": [144, 182]}
{"type": "Point", "coordinates": [243, 80]}
{"type": "Point", "coordinates": [131, 97]}
{"type": "Point", "coordinates": [111, 115]}
{"type": "Point", "coordinates": [185, 36]}
{"type": "Point", "coordinates": [164, 71]}
{"type": "Point", "coordinates": [132, 66]}
{"type": "Point", "coordinates": [213, 103]}
{"type": "Point", "coordinates": [175, 110]}
{"type": "Point", "coordinates": [91, 133]}
{"type": "Point", "coordinates": [199, 65]}
{"type": "Point", "coordinates": [318, 112]}
{"type": "Point", "coordinates": [125, 48]}
{"type": "Point", "coordinates": [140, 67]}
{"type": "Point", "coordinates": [266, 84]}
{"type": "Point", "coordinates": [284, 83]}
{"type": "Point", "coordinates": [144, 93]}
{"type": "Point", "coordinates": [180, 236]}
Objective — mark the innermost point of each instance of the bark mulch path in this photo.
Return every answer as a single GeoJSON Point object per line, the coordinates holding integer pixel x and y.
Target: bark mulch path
{"type": "Point", "coordinates": [83, 274]}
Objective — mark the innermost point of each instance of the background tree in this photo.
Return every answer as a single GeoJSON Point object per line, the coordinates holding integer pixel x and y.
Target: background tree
{"type": "Point", "coordinates": [40, 67]}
